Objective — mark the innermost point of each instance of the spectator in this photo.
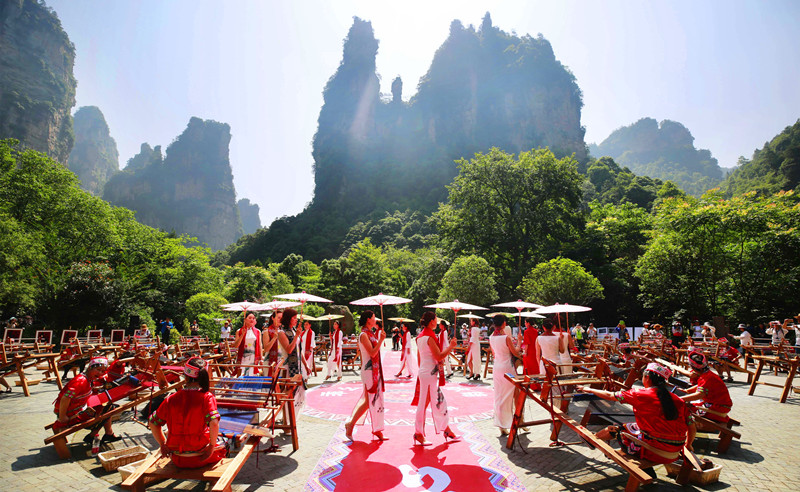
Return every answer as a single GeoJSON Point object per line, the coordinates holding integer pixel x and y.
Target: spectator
{"type": "Point", "coordinates": [591, 332]}
{"type": "Point", "coordinates": [708, 332]}
{"type": "Point", "coordinates": [225, 332]}
{"type": "Point", "coordinates": [777, 331]}
{"type": "Point", "coordinates": [580, 337]}
{"type": "Point", "coordinates": [194, 329]}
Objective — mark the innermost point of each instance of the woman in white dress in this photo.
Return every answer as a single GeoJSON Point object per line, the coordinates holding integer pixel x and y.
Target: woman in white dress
{"type": "Point", "coordinates": [309, 342]}
{"type": "Point", "coordinates": [565, 351]}
{"type": "Point", "coordinates": [550, 345]}
{"type": "Point", "coordinates": [503, 349]}
{"type": "Point", "coordinates": [444, 341]}
{"type": "Point", "coordinates": [248, 343]}
{"type": "Point", "coordinates": [429, 382]}
{"type": "Point", "coordinates": [474, 351]}
{"type": "Point", "coordinates": [369, 343]}
{"type": "Point", "coordinates": [335, 355]}
{"type": "Point", "coordinates": [408, 362]}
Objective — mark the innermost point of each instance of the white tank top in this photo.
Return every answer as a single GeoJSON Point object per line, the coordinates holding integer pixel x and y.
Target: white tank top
{"type": "Point", "coordinates": [549, 346]}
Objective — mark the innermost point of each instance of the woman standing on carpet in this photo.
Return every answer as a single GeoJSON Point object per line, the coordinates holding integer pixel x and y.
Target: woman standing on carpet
{"type": "Point", "coordinates": [335, 355]}
{"type": "Point", "coordinates": [444, 340]}
{"type": "Point", "coordinates": [405, 356]}
{"type": "Point", "coordinates": [474, 351]}
{"type": "Point", "coordinates": [369, 344]}
{"type": "Point", "coordinates": [503, 349]}
{"type": "Point", "coordinates": [429, 382]}
{"type": "Point", "coordinates": [248, 342]}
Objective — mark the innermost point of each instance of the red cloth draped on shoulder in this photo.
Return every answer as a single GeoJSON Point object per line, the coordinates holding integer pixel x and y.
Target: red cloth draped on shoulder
{"type": "Point", "coordinates": [427, 332]}
{"type": "Point", "coordinates": [240, 352]}
{"type": "Point", "coordinates": [272, 357]}
{"type": "Point", "coordinates": [309, 337]}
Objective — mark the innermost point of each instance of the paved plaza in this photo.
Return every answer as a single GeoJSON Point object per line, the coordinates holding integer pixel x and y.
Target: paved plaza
{"type": "Point", "coordinates": [766, 458]}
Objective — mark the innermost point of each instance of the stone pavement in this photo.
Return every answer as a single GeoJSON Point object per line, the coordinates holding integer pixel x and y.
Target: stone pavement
{"type": "Point", "coordinates": [766, 458]}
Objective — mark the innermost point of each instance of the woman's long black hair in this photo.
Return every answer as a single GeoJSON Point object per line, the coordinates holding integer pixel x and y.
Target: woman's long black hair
{"type": "Point", "coordinates": [664, 396]}
{"type": "Point", "coordinates": [202, 377]}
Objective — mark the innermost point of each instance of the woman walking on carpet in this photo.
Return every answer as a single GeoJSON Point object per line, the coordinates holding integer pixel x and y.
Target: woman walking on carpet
{"type": "Point", "coordinates": [335, 355]}
{"type": "Point", "coordinates": [407, 360]}
{"type": "Point", "coordinates": [369, 344]}
{"type": "Point", "coordinates": [429, 382]}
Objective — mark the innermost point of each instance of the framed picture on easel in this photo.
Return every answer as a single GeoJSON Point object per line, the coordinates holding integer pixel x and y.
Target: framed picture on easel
{"type": "Point", "coordinates": [117, 336]}
{"type": "Point", "coordinates": [44, 336]}
{"type": "Point", "coordinates": [12, 335]}
{"type": "Point", "coordinates": [94, 336]}
{"type": "Point", "coordinates": [67, 336]}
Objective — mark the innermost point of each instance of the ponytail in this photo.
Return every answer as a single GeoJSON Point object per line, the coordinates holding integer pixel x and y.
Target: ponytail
{"type": "Point", "coordinates": [664, 396]}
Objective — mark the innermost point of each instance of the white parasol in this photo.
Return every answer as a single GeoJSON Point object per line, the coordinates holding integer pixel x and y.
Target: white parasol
{"type": "Point", "coordinates": [456, 306]}
{"type": "Point", "coordinates": [519, 304]}
{"type": "Point", "coordinates": [566, 308]}
{"type": "Point", "coordinates": [380, 300]}
{"type": "Point", "coordinates": [303, 298]}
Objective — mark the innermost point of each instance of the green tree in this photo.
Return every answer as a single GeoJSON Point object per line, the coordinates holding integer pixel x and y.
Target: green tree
{"type": "Point", "coordinates": [512, 212]}
{"type": "Point", "coordinates": [738, 258]}
{"type": "Point", "coordinates": [469, 279]}
{"type": "Point", "coordinates": [560, 280]}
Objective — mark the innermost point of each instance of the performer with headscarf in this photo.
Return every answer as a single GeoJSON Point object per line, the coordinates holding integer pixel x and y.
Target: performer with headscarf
{"type": "Point", "coordinates": [192, 421]}
{"type": "Point", "coordinates": [71, 403]}
{"type": "Point", "coordinates": [662, 419]}
{"type": "Point", "coordinates": [714, 399]}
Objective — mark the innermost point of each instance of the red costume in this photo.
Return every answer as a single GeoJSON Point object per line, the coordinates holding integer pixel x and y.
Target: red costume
{"type": "Point", "coordinates": [530, 361]}
{"type": "Point", "coordinates": [656, 430]}
{"type": "Point", "coordinates": [188, 414]}
{"type": "Point", "coordinates": [79, 389]}
{"type": "Point", "coordinates": [716, 401]}
{"type": "Point", "coordinates": [272, 356]}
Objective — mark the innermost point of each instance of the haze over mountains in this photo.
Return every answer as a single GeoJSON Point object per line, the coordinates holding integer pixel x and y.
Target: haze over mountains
{"type": "Point", "coordinates": [373, 156]}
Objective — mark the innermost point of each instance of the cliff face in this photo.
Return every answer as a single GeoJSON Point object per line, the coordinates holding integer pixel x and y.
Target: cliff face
{"type": "Point", "coordinates": [248, 212]}
{"type": "Point", "coordinates": [485, 88]}
{"type": "Point", "coordinates": [665, 151]}
{"type": "Point", "coordinates": [94, 158]}
{"type": "Point", "coordinates": [37, 87]}
{"type": "Point", "coordinates": [191, 191]}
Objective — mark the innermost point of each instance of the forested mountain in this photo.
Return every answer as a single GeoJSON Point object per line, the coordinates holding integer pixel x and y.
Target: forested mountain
{"type": "Point", "coordinates": [95, 157]}
{"type": "Point", "coordinates": [773, 168]}
{"type": "Point", "coordinates": [485, 88]}
{"type": "Point", "coordinates": [37, 88]}
{"type": "Point", "coordinates": [190, 191]}
{"type": "Point", "coordinates": [251, 222]}
{"type": "Point", "coordinates": [665, 151]}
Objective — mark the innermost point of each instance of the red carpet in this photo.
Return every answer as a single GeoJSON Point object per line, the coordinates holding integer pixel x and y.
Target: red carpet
{"type": "Point", "coordinates": [398, 465]}
{"type": "Point", "coordinates": [466, 401]}
{"type": "Point", "coordinates": [371, 466]}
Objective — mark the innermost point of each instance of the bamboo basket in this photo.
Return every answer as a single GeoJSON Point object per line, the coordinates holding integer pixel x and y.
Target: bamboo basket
{"type": "Point", "coordinates": [704, 477]}
{"type": "Point", "coordinates": [112, 460]}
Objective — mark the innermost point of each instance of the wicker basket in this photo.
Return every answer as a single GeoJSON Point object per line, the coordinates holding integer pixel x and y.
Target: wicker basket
{"type": "Point", "coordinates": [127, 470]}
{"type": "Point", "coordinates": [704, 477]}
{"type": "Point", "coordinates": [112, 460]}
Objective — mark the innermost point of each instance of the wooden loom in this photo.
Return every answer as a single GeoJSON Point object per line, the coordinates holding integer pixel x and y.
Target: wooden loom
{"type": "Point", "coordinates": [236, 397]}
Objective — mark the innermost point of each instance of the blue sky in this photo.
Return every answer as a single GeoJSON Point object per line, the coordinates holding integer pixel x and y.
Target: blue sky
{"type": "Point", "coordinates": [727, 69]}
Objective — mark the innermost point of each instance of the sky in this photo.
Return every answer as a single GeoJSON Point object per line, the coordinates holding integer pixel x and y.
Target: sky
{"type": "Point", "coordinates": [729, 70]}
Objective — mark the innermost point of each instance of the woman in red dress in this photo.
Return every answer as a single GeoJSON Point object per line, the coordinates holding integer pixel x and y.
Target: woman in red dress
{"type": "Point", "coordinates": [531, 359]}
{"type": "Point", "coordinates": [663, 420]}
{"type": "Point", "coordinates": [192, 419]}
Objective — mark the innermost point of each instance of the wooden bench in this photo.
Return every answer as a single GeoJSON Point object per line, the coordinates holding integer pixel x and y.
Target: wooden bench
{"type": "Point", "coordinates": [157, 468]}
